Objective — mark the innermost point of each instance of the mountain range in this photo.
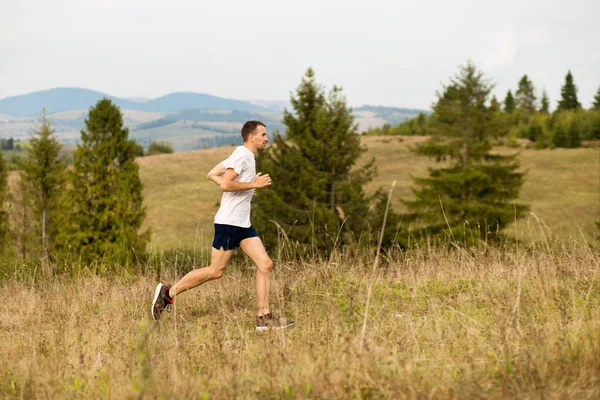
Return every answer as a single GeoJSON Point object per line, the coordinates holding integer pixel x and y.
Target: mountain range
{"type": "Point", "coordinates": [187, 120]}
{"type": "Point", "coordinates": [65, 99]}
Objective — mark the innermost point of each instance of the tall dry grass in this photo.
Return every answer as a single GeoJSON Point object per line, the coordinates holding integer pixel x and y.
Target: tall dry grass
{"type": "Point", "coordinates": [518, 322]}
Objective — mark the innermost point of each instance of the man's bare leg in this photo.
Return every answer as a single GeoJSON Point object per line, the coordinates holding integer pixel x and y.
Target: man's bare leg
{"type": "Point", "coordinates": [253, 247]}
{"type": "Point", "coordinates": [196, 277]}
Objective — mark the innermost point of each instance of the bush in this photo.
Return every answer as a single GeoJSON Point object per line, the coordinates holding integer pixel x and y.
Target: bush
{"type": "Point", "coordinates": [159, 148]}
{"type": "Point", "coordinates": [138, 149]}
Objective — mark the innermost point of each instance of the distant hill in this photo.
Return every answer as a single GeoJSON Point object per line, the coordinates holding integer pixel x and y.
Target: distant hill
{"type": "Point", "coordinates": [185, 119]}
{"type": "Point", "coordinates": [175, 102]}
{"type": "Point", "coordinates": [56, 100]}
{"type": "Point", "coordinates": [65, 99]}
{"type": "Point", "coordinates": [273, 105]}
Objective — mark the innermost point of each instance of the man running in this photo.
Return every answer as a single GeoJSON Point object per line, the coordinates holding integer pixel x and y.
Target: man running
{"type": "Point", "coordinates": [237, 178]}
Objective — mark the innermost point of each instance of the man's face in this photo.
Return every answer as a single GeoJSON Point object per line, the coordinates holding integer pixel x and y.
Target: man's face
{"type": "Point", "coordinates": [260, 138]}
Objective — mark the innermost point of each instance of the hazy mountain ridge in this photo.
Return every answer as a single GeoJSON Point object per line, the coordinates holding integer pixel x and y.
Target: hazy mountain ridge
{"type": "Point", "coordinates": [187, 120]}
{"type": "Point", "coordinates": [65, 99]}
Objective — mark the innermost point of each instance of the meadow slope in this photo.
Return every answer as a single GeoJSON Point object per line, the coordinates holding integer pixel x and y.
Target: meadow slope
{"type": "Point", "coordinates": [562, 186]}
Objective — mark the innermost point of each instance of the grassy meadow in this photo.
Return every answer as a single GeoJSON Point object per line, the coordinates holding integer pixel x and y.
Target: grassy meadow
{"type": "Point", "coordinates": [521, 321]}
{"type": "Point", "coordinates": [438, 323]}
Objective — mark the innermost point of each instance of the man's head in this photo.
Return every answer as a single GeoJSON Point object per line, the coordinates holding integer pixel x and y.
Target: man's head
{"type": "Point", "coordinates": [255, 134]}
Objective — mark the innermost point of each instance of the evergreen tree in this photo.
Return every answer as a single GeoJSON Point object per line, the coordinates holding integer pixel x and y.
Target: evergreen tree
{"type": "Point", "coordinates": [138, 149]}
{"type": "Point", "coordinates": [4, 228]}
{"type": "Point", "coordinates": [494, 105]}
{"type": "Point", "coordinates": [568, 94]}
{"type": "Point", "coordinates": [545, 108]}
{"type": "Point", "coordinates": [42, 179]}
{"type": "Point", "coordinates": [559, 136]}
{"type": "Point", "coordinates": [317, 197]}
{"type": "Point", "coordinates": [421, 122]}
{"type": "Point", "coordinates": [478, 188]}
{"type": "Point", "coordinates": [509, 103]}
{"type": "Point", "coordinates": [573, 135]}
{"type": "Point", "coordinates": [596, 103]}
{"type": "Point", "coordinates": [594, 130]}
{"type": "Point", "coordinates": [535, 129]}
{"type": "Point", "coordinates": [104, 196]}
{"type": "Point", "coordinates": [525, 98]}
{"type": "Point", "coordinates": [502, 121]}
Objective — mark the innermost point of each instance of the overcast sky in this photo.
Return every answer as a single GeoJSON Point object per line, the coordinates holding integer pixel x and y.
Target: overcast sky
{"type": "Point", "coordinates": [392, 53]}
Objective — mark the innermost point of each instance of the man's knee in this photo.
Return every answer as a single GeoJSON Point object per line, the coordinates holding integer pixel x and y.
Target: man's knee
{"type": "Point", "coordinates": [266, 266]}
{"type": "Point", "coordinates": [215, 273]}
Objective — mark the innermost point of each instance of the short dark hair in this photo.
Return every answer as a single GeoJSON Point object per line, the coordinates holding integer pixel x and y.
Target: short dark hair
{"type": "Point", "coordinates": [249, 127]}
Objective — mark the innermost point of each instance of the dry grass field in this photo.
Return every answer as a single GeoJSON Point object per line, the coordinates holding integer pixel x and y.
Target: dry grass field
{"type": "Point", "coordinates": [437, 324]}
{"type": "Point", "coordinates": [562, 186]}
{"type": "Point", "coordinates": [521, 321]}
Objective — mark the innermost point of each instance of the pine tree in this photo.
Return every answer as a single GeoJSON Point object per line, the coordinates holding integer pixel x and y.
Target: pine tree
{"type": "Point", "coordinates": [525, 97]}
{"type": "Point", "coordinates": [559, 136]}
{"type": "Point", "coordinates": [545, 108]}
{"type": "Point", "coordinates": [494, 105]}
{"type": "Point", "coordinates": [568, 94]}
{"type": "Point", "coordinates": [42, 178]}
{"type": "Point", "coordinates": [509, 103]}
{"type": "Point", "coordinates": [596, 103]}
{"type": "Point", "coordinates": [421, 122]}
{"type": "Point", "coordinates": [502, 121]}
{"type": "Point", "coordinates": [317, 197]}
{"type": "Point", "coordinates": [573, 135]}
{"type": "Point", "coordinates": [535, 128]}
{"type": "Point", "coordinates": [4, 228]}
{"type": "Point", "coordinates": [104, 196]}
{"type": "Point", "coordinates": [476, 192]}
{"type": "Point", "coordinates": [525, 101]}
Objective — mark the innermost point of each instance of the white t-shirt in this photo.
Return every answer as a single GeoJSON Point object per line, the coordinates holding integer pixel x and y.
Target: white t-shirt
{"type": "Point", "coordinates": [235, 206]}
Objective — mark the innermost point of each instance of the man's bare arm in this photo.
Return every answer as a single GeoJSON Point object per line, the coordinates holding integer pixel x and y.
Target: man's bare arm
{"type": "Point", "coordinates": [229, 185]}
{"type": "Point", "coordinates": [216, 174]}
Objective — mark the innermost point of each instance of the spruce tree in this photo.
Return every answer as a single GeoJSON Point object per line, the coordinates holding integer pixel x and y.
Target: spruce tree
{"type": "Point", "coordinates": [509, 103]}
{"type": "Point", "coordinates": [573, 135]}
{"type": "Point", "coordinates": [494, 105]}
{"type": "Point", "coordinates": [42, 178]}
{"type": "Point", "coordinates": [559, 135]}
{"type": "Point", "coordinates": [104, 196]}
{"type": "Point", "coordinates": [473, 195]}
{"type": "Point", "coordinates": [545, 106]}
{"type": "Point", "coordinates": [317, 197]}
{"type": "Point", "coordinates": [421, 122]}
{"type": "Point", "coordinates": [525, 98]}
{"type": "Point", "coordinates": [502, 121]}
{"type": "Point", "coordinates": [596, 103]}
{"type": "Point", "coordinates": [4, 227]}
{"type": "Point", "coordinates": [568, 95]}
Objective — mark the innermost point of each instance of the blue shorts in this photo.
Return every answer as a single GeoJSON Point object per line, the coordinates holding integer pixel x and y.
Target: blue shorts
{"type": "Point", "coordinates": [228, 237]}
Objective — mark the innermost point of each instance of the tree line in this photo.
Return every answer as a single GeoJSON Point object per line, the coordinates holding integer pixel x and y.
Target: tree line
{"type": "Point", "coordinates": [523, 116]}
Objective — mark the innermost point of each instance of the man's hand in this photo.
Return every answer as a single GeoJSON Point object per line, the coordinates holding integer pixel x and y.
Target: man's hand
{"type": "Point", "coordinates": [262, 180]}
